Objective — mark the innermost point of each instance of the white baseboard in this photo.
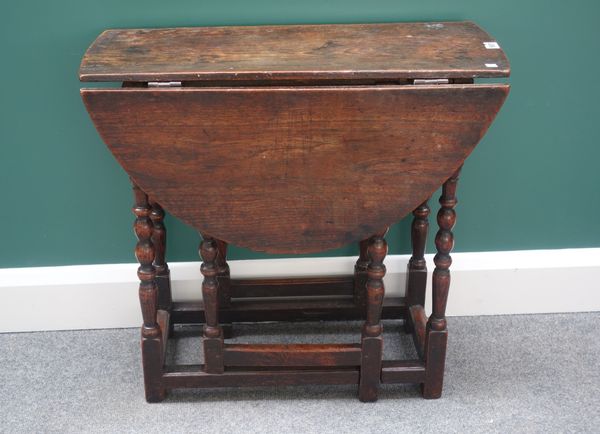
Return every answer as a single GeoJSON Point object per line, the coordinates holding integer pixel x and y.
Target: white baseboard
{"type": "Point", "coordinates": [489, 283]}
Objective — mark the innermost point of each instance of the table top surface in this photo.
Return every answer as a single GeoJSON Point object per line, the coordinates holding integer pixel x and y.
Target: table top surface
{"type": "Point", "coordinates": [391, 51]}
{"type": "Point", "coordinates": [293, 169]}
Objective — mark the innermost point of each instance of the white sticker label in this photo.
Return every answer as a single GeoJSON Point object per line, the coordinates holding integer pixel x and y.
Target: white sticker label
{"type": "Point", "coordinates": [491, 45]}
{"type": "Point", "coordinates": [491, 65]}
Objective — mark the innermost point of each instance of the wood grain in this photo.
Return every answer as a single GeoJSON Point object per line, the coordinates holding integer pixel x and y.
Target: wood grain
{"type": "Point", "coordinates": [195, 376]}
{"type": "Point", "coordinates": [389, 51]}
{"type": "Point", "coordinates": [402, 371]}
{"type": "Point", "coordinates": [293, 169]}
{"type": "Point", "coordinates": [292, 355]}
{"type": "Point", "coordinates": [292, 287]}
{"type": "Point", "coordinates": [304, 309]}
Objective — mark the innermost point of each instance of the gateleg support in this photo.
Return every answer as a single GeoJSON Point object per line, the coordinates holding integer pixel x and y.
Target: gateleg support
{"type": "Point", "coordinates": [213, 334]}
{"type": "Point", "coordinates": [224, 281]}
{"type": "Point", "coordinates": [416, 273]}
{"type": "Point", "coordinates": [372, 331]}
{"type": "Point", "coordinates": [152, 338]}
{"type": "Point", "coordinates": [436, 333]}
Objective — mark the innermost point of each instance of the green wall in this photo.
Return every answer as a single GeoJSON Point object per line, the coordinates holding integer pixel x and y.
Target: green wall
{"type": "Point", "coordinates": [532, 183]}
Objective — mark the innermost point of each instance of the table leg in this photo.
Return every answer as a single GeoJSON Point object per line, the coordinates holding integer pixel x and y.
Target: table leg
{"type": "Point", "coordinates": [159, 239]}
{"type": "Point", "coordinates": [436, 336]}
{"type": "Point", "coordinates": [372, 339]}
{"type": "Point", "coordinates": [213, 334]}
{"type": "Point", "coordinates": [148, 292]}
{"type": "Point", "coordinates": [360, 274]}
{"type": "Point", "coordinates": [416, 273]}
{"type": "Point", "coordinates": [224, 280]}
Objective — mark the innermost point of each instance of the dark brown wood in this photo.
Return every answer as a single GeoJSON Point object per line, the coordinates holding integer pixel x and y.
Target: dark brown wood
{"type": "Point", "coordinates": [436, 335]}
{"type": "Point", "coordinates": [418, 320]}
{"type": "Point", "coordinates": [416, 273]}
{"type": "Point", "coordinates": [402, 371]}
{"type": "Point", "coordinates": [164, 322]}
{"type": "Point", "coordinates": [360, 274]}
{"type": "Point", "coordinates": [224, 275]}
{"type": "Point", "coordinates": [224, 280]}
{"type": "Point", "coordinates": [297, 355]}
{"type": "Point", "coordinates": [287, 162]}
{"type": "Point", "coordinates": [300, 52]}
{"type": "Point", "coordinates": [435, 360]}
{"type": "Point", "coordinates": [315, 309]}
{"type": "Point", "coordinates": [372, 339]}
{"type": "Point", "coordinates": [195, 376]}
{"type": "Point", "coordinates": [152, 346]}
{"type": "Point", "coordinates": [292, 287]}
{"type": "Point", "coordinates": [159, 239]}
{"type": "Point", "coordinates": [213, 334]}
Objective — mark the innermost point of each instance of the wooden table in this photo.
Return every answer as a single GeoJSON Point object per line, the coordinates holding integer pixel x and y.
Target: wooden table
{"type": "Point", "coordinates": [294, 139]}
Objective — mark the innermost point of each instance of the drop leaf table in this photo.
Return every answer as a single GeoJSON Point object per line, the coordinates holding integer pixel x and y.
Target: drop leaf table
{"type": "Point", "coordinates": [294, 139]}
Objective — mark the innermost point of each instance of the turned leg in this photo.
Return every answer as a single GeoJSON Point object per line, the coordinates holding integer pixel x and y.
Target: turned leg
{"type": "Point", "coordinates": [372, 339]}
{"type": "Point", "coordinates": [159, 239]}
{"type": "Point", "coordinates": [223, 276]}
{"type": "Point", "coordinates": [213, 334]}
{"type": "Point", "coordinates": [224, 280]}
{"type": "Point", "coordinates": [148, 291]}
{"type": "Point", "coordinates": [360, 274]}
{"type": "Point", "coordinates": [436, 336]}
{"type": "Point", "coordinates": [416, 273]}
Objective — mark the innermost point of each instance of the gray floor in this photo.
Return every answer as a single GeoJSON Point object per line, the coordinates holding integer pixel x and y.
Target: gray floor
{"type": "Point", "coordinates": [536, 373]}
